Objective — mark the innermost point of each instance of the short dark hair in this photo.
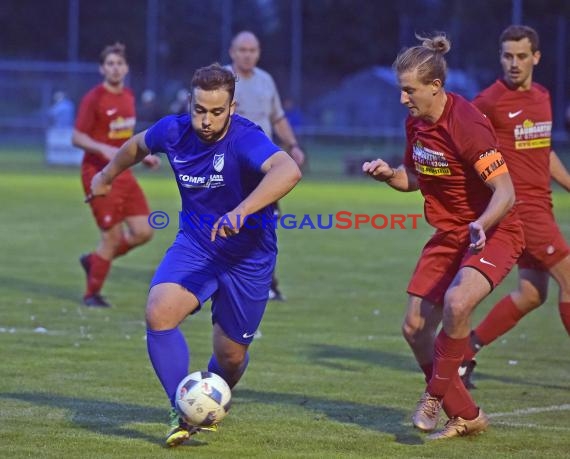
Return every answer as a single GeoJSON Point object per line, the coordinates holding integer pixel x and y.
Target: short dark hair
{"type": "Point", "coordinates": [213, 77]}
{"type": "Point", "coordinates": [518, 32]}
{"type": "Point", "coordinates": [116, 48]}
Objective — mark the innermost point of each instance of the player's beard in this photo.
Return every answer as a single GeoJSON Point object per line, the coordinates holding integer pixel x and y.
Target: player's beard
{"type": "Point", "coordinates": [217, 135]}
{"type": "Point", "coordinates": [115, 84]}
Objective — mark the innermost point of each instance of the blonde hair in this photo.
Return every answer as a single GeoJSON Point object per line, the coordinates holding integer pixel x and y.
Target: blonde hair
{"type": "Point", "coordinates": [427, 58]}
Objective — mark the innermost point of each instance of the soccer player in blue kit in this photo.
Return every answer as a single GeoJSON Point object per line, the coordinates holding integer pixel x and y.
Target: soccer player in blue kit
{"type": "Point", "coordinates": [226, 169]}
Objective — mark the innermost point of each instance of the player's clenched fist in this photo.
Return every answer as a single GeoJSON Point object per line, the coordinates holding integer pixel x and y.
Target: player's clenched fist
{"type": "Point", "coordinates": [378, 169]}
{"type": "Point", "coordinates": [100, 185]}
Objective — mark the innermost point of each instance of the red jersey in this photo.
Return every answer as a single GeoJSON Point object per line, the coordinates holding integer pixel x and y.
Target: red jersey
{"type": "Point", "coordinates": [453, 158]}
{"type": "Point", "coordinates": [523, 123]}
{"type": "Point", "coordinates": [107, 118]}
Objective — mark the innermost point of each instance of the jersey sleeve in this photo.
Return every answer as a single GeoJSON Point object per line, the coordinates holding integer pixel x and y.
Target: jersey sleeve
{"type": "Point", "coordinates": [158, 136]}
{"type": "Point", "coordinates": [254, 148]}
{"type": "Point", "coordinates": [486, 103]}
{"type": "Point", "coordinates": [473, 134]}
{"type": "Point", "coordinates": [482, 103]}
{"type": "Point", "coordinates": [86, 114]}
{"type": "Point", "coordinates": [476, 142]}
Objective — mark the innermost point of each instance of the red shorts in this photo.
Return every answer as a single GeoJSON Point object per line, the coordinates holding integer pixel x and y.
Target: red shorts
{"type": "Point", "coordinates": [447, 252]}
{"type": "Point", "coordinates": [126, 198]}
{"type": "Point", "coordinates": [545, 243]}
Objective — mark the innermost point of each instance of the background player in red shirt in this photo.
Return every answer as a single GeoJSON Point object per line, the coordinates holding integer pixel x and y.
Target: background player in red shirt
{"type": "Point", "coordinates": [105, 120]}
{"type": "Point", "coordinates": [452, 158]}
{"type": "Point", "coordinates": [521, 113]}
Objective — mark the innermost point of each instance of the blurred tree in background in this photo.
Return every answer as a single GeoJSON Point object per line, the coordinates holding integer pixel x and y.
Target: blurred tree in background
{"type": "Point", "coordinates": [338, 37]}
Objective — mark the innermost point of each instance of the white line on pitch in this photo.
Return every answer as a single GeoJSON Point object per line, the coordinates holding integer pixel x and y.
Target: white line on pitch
{"type": "Point", "coordinates": [531, 426]}
{"type": "Point", "coordinates": [544, 409]}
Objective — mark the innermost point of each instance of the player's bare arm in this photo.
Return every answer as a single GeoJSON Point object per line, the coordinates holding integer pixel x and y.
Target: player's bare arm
{"type": "Point", "coordinates": [559, 172]}
{"type": "Point", "coordinates": [85, 142]}
{"type": "Point", "coordinates": [152, 162]}
{"type": "Point", "coordinates": [285, 133]}
{"type": "Point", "coordinates": [131, 152]}
{"type": "Point", "coordinates": [501, 202]}
{"type": "Point", "coordinates": [399, 178]}
{"type": "Point", "coordinates": [281, 175]}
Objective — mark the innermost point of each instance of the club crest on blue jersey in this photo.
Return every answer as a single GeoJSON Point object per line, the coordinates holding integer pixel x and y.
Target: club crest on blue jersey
{"type": "Point", "coordinates": [218, 162]}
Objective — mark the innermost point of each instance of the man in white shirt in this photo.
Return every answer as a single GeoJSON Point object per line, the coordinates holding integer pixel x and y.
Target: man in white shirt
{"type": "Point", "coordinates": [258, 100]}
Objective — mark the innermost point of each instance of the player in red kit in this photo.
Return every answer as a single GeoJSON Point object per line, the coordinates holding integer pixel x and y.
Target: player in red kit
{"type": "Point", "coordinates": [105, 120]}
{"type": "Point", "coordinates": [452, 157]}
{"type": "Point", "coordinates": [521, 113]}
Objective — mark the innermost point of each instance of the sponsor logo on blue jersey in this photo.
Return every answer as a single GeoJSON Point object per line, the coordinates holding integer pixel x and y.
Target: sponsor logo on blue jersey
{"type": "Point", "coordinates": [200, 181]}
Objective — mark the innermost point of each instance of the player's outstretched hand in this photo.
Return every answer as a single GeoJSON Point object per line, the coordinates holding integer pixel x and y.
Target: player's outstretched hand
{"type": "Point", "coordinates": [378, 169]}
{"type": "Point", "coordinates": [152, 162]}
{"type": "Point", "coordinates": [478, 237]}
{"type": "Point", "coordinates": [99, 186]}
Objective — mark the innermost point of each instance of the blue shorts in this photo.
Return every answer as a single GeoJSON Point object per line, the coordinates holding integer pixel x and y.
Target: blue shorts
{"type": "Point", "coordinates": [239, 291]}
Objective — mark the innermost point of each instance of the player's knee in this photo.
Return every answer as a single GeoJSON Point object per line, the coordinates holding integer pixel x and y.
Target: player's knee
{"type": "Point", "coordinates": [411, 331]}
{"type": "Point", "coordinates": [156, 315]}
{"type": "Point", "coordinates": [564, 285]}
{"type": "Point", "coordinates": [531, 298]}
{"type": "Point", "coordinates": [142, 235]}
{"type": "Point", "coordinates": [152, 316]}
{"type": "Point", "coordinates": [456, 309]}
{"type": "Point", "coordinates": [111, 238]}
{"type": "Point", "coordinates": [535, 301]}
{"type": "Point", "coordinates": [407, 332]}
{"type": "Point", "coordinates": [231, 360]}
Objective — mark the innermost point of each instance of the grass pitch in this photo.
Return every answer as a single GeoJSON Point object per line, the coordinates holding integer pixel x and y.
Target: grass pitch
{"type": "Point", "coordinates": [330, 376]}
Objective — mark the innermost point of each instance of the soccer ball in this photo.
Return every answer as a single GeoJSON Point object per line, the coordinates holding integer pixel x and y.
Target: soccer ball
{"type": "Point", "coordinates": [203, 398]}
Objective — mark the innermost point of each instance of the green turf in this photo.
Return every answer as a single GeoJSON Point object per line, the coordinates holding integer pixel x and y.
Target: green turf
{"type": "Point", "coordinates": [330, 377]}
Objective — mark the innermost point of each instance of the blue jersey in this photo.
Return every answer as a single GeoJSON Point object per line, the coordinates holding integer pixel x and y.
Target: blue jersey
{"type": "Point", "coordinates": [213, 179]}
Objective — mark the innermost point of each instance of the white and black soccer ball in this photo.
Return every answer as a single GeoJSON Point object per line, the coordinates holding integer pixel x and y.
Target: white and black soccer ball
{"type": "Point", "coordinates": [203, 398]}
